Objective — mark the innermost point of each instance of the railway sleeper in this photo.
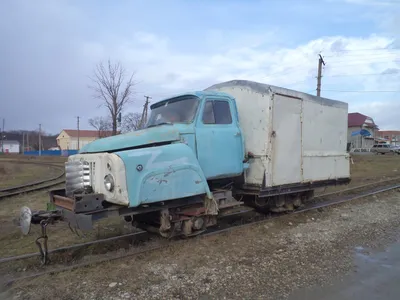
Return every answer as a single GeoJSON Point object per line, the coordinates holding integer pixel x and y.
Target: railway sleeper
{"type": "Point", "coordinates": [182, 218]}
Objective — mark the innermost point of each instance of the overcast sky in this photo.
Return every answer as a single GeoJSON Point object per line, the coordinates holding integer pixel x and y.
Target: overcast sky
{"type": "Point", "coordinates": [49, 48]}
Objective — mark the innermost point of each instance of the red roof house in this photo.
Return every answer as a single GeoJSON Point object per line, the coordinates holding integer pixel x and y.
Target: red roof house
{"type": "Point", "coordinates": [360, 120]}
{"type": "Point", "coordinates": [356, 123]}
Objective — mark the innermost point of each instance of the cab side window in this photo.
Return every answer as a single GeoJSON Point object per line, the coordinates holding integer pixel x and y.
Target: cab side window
{"type": "Point", "coordinates": [217, 112]}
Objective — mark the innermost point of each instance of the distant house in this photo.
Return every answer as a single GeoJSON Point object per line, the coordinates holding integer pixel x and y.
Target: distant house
{"type": "Point", "coordinates": [361, 130]}
{"type": "Point", "coordinates": [9, 146]}
{"type": "Point", "coordinates": [389, 136]}
{"type": "Point", "coordinates": [68, 138]}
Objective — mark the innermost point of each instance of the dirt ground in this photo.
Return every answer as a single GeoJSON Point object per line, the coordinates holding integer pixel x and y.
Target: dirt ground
{"type": "Point", "coordinates": [260, 262]}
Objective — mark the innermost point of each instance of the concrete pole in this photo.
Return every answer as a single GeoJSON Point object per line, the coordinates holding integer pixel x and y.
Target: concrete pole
{"type": "Point", "coordinates": [40, 139]}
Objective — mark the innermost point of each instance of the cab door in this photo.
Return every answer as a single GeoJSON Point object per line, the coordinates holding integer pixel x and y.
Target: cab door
{"type": "Point", "coordinates": [219, 140]}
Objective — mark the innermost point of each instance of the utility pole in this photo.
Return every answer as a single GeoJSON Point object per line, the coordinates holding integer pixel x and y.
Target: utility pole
{"type": "Point", "coordinates": [143, 120]}
{"type": "Point", "coordinates": [40, 139]}
{"type": "Point", "coordinates": [23, 143]}
{"type": "Point", "coordinates": [320, 63]}
{"type": "Point", "coordinates": [2, 136]}
{"type": "Point", "coordinates": [78, 130]}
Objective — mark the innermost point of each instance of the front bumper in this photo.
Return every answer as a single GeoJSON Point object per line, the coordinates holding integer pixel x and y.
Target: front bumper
{"type": "Point", "coordinates": [82, 210]}
{"type": "Point", "coordinates": [80, 203]}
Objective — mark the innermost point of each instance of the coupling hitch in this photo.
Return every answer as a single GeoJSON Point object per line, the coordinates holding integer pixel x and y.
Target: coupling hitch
{"type": "Point", "coordinates": [44, 218]}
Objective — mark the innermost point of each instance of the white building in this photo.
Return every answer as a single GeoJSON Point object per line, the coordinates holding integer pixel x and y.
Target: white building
{"type": "Point", "coordinates": [8, 146]}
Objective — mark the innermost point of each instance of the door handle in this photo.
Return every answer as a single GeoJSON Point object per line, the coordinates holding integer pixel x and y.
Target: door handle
{"type": "Point", "coordinates": [237, 133]}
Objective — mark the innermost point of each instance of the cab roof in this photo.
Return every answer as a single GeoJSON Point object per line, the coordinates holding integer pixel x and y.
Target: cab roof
{"type": "Point", "coordinates": [199, 94]}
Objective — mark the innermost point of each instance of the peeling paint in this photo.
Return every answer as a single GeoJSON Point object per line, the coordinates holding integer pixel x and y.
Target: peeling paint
{"type": "Point", "coordinates": [171, 172]}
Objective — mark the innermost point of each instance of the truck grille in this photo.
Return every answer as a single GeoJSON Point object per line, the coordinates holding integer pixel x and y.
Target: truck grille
{"type": "Point", "coordinates": [77, 177]}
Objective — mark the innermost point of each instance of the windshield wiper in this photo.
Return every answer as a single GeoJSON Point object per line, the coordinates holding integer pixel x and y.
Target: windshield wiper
{"type": "Point", "coordinates": [158, 124]}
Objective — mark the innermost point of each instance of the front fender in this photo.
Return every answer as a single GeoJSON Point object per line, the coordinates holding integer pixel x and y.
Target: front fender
{"type": "Point", "coordinates": [162, 173]}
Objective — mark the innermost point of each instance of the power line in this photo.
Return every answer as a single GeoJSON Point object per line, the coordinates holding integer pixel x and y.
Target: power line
{"type": "Point", "coordinates": [340, 91]}
{"type": "Point", "coordinates": [369, 61]}
{"type": "Point", "coordinates": [388, 52]}
{"type": "Point", "coordinates": [370, 49]}
{"type": "Point", "coordinates": [366, 74]}
{"type": "Point", "coordinates": [366, 64]}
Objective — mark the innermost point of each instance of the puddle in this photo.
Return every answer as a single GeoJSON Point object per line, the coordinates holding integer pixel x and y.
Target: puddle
{"type": "Point", "coordinates": [376, 276]}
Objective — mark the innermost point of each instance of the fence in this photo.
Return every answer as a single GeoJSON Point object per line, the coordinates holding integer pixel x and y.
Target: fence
{"type": "Point", "coordinates": [358, 150]}
{"type": "Point", "coordinates": [52, 152]}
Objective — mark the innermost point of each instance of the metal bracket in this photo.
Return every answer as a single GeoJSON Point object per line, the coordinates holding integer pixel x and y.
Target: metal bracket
{"type": "Point", "coordinates": [44, 219]}
{"type": "Point", "coordinates": [43, 249]}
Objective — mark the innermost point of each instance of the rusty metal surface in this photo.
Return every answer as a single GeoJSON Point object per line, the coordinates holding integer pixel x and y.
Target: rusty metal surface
{"type": "Point", "coordinates": [64, 202]}
{"type": "Point", "coordinates": [89, 202]}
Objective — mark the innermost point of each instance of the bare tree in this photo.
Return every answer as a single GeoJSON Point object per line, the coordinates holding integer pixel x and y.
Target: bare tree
{"type": "Point", "coordinates": [131, 122]}
{"type": "Point", "coordinates": [102, 125]}
{"type": "Point", "coordinates": [112, 89]}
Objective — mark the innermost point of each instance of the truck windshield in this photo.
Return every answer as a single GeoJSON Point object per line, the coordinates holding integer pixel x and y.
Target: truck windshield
{"type": "Point", "coordinates": [175, 110]}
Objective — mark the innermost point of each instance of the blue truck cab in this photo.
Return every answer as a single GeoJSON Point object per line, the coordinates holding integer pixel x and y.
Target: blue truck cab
{"type": "Point", "coordinates": [192, 143]}
{"type": "Point", "coordinates": [189, 140]}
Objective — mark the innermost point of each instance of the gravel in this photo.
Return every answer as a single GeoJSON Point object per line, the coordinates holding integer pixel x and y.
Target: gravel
{"type": "Point", "coordinates": [266, 261]}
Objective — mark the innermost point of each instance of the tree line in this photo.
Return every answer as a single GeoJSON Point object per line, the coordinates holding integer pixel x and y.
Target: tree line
{"type": "Point", "coordinates": [29, 139]}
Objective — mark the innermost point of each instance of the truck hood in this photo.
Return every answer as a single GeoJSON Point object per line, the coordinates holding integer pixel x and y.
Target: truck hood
{"type": "Point", "coordinates": [158, 134]}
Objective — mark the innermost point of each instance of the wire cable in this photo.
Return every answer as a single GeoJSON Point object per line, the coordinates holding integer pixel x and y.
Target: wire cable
{"type": "Point", "coordinates": [339, 91]}
{"type": "Point", "coordinates": [366, 74]}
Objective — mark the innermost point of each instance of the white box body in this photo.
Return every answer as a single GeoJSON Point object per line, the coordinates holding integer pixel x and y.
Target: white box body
{"type": "Point", "coordinates": [293, 137]}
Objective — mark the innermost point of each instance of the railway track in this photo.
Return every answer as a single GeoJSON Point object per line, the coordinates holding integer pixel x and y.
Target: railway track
{"type": "Point", "coordinates": [35, 185]}
{"type": "Point", "coordinates": [149, 243]}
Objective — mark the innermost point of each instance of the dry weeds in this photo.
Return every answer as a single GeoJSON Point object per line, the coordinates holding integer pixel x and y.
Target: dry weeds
{"type": "Point", "coordinates": [13, 174]}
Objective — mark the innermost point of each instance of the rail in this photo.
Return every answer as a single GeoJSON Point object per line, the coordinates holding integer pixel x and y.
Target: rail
{"type": "Point", "coordinates": [35, 185]}
{"type": "Point", "coordinates": [147, 248]}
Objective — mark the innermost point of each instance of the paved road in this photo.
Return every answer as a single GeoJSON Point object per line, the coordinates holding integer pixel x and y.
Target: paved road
{"type": "Point", "coordinates": [377, 277]}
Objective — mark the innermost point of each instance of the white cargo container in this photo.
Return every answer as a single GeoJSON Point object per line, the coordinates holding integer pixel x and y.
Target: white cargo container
{"type": "Point", "coordinates": [294, 138]}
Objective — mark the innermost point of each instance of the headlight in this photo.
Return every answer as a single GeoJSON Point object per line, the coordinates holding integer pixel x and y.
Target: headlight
{"type": "Point", "coordinates": [109, 182]}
